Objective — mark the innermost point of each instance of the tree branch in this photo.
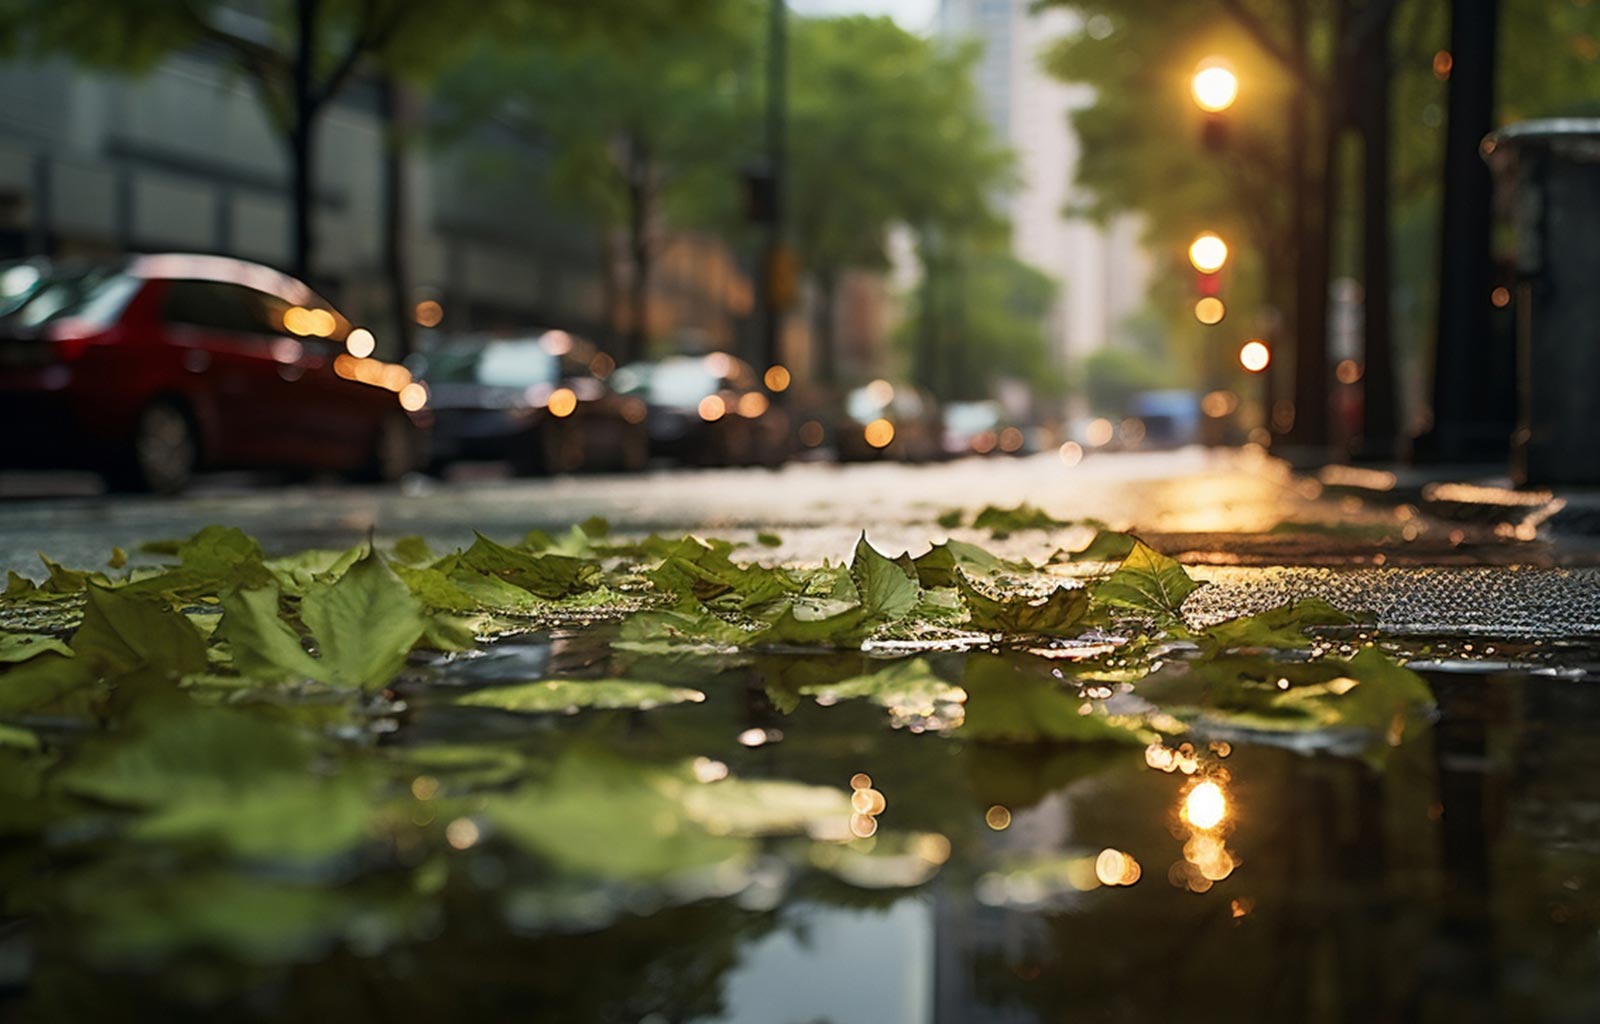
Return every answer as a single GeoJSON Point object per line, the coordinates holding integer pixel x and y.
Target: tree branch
{"type": "Point", "coordinates": [1261, 34]}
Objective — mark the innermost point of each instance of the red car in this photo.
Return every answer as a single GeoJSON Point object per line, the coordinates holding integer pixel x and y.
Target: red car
{"type": "Point", "coordinates": [156, 366]}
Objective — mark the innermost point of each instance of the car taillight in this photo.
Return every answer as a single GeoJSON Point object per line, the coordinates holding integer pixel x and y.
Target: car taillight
{"type": "Point", "coordinates": [71, 337]}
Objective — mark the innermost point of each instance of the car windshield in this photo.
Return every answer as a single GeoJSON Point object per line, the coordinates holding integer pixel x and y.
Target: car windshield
{"type": "Point", "coordinates": [97, 294]}
{"type": "Point", "coordinates": [682, 383]}
{"type": "Point", "coordinates": [499, 364]}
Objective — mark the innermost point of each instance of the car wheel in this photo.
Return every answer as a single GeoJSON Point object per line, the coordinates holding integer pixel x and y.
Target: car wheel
{"type": "Point", "coordinates": [165, 451]}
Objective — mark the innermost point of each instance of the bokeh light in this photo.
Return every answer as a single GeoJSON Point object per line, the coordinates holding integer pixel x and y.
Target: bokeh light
{"type": "Point", "coordinates": [360, 343]}
{"type": "Point", "coordinates": [1254, 355]}
{"type": "Point", "coordinates": [1210, 310]}
{"type": "Point", "coordinates": [1214, 86]}
{"type": "Point", "coordinates": [879, 433]}
{"type": "Point", "coordinates": [1205, 805]}
{"type": "Point", "coordinates": [1208, 252]}
{"type": "Point", "coordinates": [776, 378]}
{"type": "Point", "coordinates": [429, 313]}
{"type": "Point", "coordinates": [713, 408]}
{"type": "Point", "coordinates": [562, 402]}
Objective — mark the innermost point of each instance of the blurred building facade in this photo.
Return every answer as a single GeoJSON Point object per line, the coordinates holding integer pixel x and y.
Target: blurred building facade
{"type": "Point", "coordinates": [183, 158]}
{"type": "Point", "coordinates": [1102, 270]}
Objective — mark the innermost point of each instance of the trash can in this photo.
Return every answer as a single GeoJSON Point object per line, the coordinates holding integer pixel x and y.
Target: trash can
{"type": "Point", "coordinates": [1547, 198]}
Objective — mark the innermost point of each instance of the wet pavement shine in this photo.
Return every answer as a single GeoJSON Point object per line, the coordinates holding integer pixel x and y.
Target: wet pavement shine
{"type": "Point", "coordinates": [1011, 876]}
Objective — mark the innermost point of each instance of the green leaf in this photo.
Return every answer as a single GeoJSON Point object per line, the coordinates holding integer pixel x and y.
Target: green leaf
{"type": "Point", "coordinates": [769, 540]}
{"type": "Point", "coordinates": [49, 683]}
{"type": "Point", "coordinates": [910, 687]}
{"type": "Point", "coordinates": [283, 818]}
{"type": "Point", "coordinates": [118, 559]}
{"type": "Point", "coordinates": [1280, 628]}
{"type": "Point", "coordinates": [364, 625]}
{"type": "Point", "coordinates": [817, 622]}
{"type": "Point", "coordinates": [15, 647]}
{"type": "Point", "coordinates": [176, 753]}
{"type": "Point", "coordinates": [222, 552]}
{"type": "Point", "coordinates": [264, 645]}
{"type": "Point", "coordinates": [547, 575]}
{"type": "Point", "coordinates": [123, 632]}
{"type": "Point", "coordinates": [683, 627]}
{"type": "Point", "coordinates": [413, 551]}
{"type": "Point", "coordinates": [1006, 702]}
{"type": "Point", "coordinates": [1147, 582]}
{"type": "Point", "coordinates": [937, 568]}
{"type": "Point", "coordinates": [950, 518]}
{"type": "Point", "coordinates": [1002, 522]}
{"type": "Point", "coordinates": [565, 695]}
{"type": "Point", "coordinates": [1055, 614]}
{"type": "Point", "coordinates": [642, 834]}
{"type": "Point", "coordinates": [888, 589]}
{"type": "Point", "coordinates": [1107, 546]}
{"type": "Point", "coordinates": [766, 807]}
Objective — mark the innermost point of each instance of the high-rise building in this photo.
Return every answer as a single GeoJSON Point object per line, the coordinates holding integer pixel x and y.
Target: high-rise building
{"type": "Point", "coordinates": [1101, 269]}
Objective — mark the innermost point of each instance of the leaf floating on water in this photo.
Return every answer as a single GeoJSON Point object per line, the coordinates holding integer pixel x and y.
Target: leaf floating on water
{"type": "Point", "coordinates": [1281, 628]}
{"type": "Point", "coordinates": [910, 690]}
{"type": "Point", "coordinates": [1147, 582]}
{"type": "Point", "coordinates": [888, 589]}
{"type": "Point", "coordinates": [1053, 614]}
{"type": "Point", "coordinates": [16, 647]}
{"type": "Point", "coordinates": [563, 695]}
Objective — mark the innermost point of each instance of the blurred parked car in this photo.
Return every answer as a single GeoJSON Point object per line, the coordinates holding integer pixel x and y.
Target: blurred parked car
{"type": "Point", "coordinates": [708, 410]}
{"type": "Point", "coordinates": [982, 428]}
{"type": "Point", "coordinates": [888, 421]}
{"type": "Point", "coordinates": [1166, 419]}
{"type": "Point", "coordinates": [539, 401]}
{"type": "Point", "coordinates": [151, 367]}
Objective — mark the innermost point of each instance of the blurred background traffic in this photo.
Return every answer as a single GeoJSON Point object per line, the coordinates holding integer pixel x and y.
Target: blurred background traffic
{"type": "Point", "coordinates": [387, 237]}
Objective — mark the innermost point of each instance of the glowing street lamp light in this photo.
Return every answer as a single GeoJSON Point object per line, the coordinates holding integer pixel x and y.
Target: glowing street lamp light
{"type": "Point", "coordinates": [1254, 355]}
{"type": "Point", "coordinates": [1208, 252]}
{"type": "Point", "coordinates": [1214, 86]}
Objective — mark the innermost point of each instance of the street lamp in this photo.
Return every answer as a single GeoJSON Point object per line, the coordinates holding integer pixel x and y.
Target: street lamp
{"type": "Point", "coordinates": [1208, 252]}
{"type": "Point", "coordinates": [1214, 85]}
{"type": "Point", "coordinates": [1254, 355]}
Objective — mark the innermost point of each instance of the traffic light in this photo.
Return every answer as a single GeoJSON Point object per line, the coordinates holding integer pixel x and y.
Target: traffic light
{"type": "Point", "coordinates": [1208, 254]}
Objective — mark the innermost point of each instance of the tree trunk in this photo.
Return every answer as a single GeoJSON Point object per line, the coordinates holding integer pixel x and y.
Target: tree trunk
{"type": "Point", "coordinates": [1314, 205]}
{"type": "Point", "coordinates": [395, 221]}
{"type": "Point", "coordinates": [302, 131]}
{"type": "Point", "coordinates": [823, 340]}
{"type": "Point", "coordinates": [639, 253]}
{"type": "Point", "coordinates": [1474, 385]}
{"type": "Point", "coordinates": [1379, 417]}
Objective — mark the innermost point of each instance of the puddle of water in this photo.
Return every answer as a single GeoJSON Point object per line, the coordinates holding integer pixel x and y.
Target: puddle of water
{"type": "Point", "coordinates": [1006, 881]}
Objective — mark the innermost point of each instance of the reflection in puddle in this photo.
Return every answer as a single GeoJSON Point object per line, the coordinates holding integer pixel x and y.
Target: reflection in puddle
{"type": "Point", "coordinates": [992, 871]}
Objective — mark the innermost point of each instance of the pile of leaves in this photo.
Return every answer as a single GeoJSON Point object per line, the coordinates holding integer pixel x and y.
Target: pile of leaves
{"type": "Point", "coordinates": [187, 721]}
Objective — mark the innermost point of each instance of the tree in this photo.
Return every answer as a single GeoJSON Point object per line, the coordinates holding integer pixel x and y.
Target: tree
{"type": "Point", "coordinates": [979, 315]}
{"type": "Point", "coordinates": [884, 129]}
{"type": "Point", "coordinates": [643, 134]}
{"type": "Point", "coordinates": [297, 54]}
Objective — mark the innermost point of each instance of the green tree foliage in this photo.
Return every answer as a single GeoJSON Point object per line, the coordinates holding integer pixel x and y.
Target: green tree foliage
{"type": "Point", "coordinates": [884, 130]}
{"type": "Point", "coordinates": [300, 54]}
{"type": "Point", "coordinates": [978, 315]}
{"type": "Point", "coordinates": [645, 134]}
